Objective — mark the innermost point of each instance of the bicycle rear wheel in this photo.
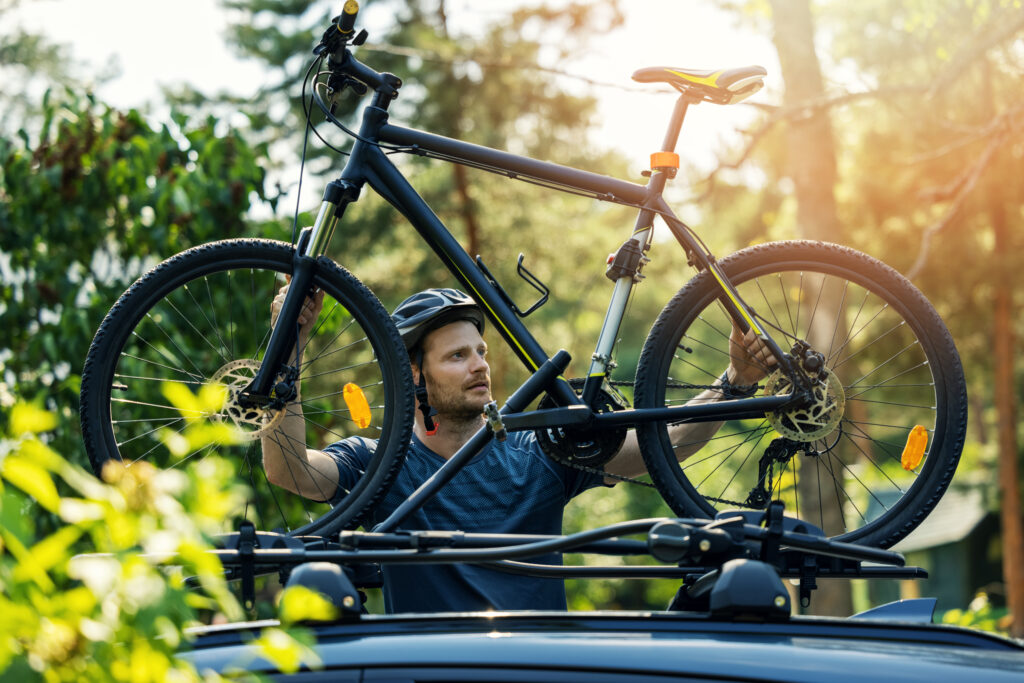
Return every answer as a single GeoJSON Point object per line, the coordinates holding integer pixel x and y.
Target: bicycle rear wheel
{"type": "Point", "coordinates": [838, 464]}
{"type": "Point", "coordinates": [202, 319]}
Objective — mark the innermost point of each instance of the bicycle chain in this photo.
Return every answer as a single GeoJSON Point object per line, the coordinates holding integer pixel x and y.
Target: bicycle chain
{"type": "Point", "coordinates": [621, 477]}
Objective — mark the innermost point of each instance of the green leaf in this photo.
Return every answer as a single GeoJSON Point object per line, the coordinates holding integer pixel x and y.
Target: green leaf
{"type": "Point", "coordinates": [27, 418]}
{"type": "Point", "coordinates": [299, 603]}
{"type": "Point", "coordinates": [45, 555]}
{"type": "Point", "coordinates": [32, 479]}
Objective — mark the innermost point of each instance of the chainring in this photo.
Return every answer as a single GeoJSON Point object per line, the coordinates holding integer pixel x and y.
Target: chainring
{"type": "Point", "coordinates": [577, 447]}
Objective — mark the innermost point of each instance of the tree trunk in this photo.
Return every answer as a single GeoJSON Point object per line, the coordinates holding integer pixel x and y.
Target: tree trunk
{"type": "Point", "coordinates": [467, 210]}
{"type": "Point", "coordinates": [811, 164]}
{"type": "Point", "coordinates": [1003, 343]}
{"type": "Point", "coordinates": [1009, 472]}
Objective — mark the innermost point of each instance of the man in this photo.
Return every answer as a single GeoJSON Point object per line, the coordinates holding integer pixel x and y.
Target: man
{"type": "Point", "coordinates": [510, 487]}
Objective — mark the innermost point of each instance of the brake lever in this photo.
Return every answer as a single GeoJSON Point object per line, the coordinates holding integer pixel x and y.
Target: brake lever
{"type": "Point", "coordinates": [337, 83]}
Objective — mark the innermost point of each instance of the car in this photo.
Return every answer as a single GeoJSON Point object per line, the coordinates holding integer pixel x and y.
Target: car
{"type": "Point", "coordinates": [731, 620]}
{"type": "Point", "coordinates": [630, 647]}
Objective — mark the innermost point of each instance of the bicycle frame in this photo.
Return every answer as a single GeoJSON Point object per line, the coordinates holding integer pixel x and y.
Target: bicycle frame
{"type": "Point", "coordinates": [368, 164]}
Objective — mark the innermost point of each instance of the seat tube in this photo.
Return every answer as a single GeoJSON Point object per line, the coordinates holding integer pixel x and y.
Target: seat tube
{"type": "Point", "coordinates": [601, 362]}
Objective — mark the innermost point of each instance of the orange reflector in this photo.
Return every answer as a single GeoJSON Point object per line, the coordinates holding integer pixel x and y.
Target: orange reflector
{"type": "Point", "coordinates": [358, 408]}
{"type": "Point", "coordinates": [913, 452]}
{"type": "Point", "coordinates": [664, 160]}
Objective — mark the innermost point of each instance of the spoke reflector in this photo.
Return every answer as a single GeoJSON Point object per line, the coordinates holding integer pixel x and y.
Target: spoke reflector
{"type": "Point", "coordinates": [358, 407]}
{"type": "Point", "coordinates": [917, 440]}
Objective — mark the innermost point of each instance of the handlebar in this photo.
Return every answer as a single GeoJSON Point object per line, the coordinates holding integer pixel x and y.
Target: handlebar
{"type": "Point", "coordinates": [347, 21]}
{"type": "Point", "coordinates": [345, 69]}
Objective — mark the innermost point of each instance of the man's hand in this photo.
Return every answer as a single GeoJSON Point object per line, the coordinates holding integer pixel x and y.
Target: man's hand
{"type": "Point", "coordinates": [750, 359]}
{"type": "Point", "coordinates": [308, 314]}
{"type": "Point", "coordinates": [288, 462]}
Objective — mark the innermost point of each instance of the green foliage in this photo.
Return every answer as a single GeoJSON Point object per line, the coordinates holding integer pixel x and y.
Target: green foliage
{"type": "Point", "coordinates": [980, 614]}
{"type": "Point", "coordinates": [86, 205]}
{"type": "Point", "coordinates": [112, 614]}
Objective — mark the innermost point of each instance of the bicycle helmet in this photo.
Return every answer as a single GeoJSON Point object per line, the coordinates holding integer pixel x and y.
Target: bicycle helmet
{"type": "Point", "coordinates": [433, 308]}
{"type": "Point", "coordinates": [423, 313]}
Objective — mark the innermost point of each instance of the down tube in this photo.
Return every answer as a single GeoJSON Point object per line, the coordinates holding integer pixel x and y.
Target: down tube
{"type": "Point", "coordinates": [387, 181]}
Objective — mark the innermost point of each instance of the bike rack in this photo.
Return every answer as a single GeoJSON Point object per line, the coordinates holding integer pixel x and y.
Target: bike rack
{"type": "Point", "coordinates": [732, 566]}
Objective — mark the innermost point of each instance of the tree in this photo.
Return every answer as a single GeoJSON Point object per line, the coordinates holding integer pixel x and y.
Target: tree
{"type": "Point", "coordinates": [811, 165]}
{"type": "Point", "coordinates": [924, 94]}
{"type": "Point", "coordinates": [86, 205]}
{"type": "Point", "coordinates": [29, 63]}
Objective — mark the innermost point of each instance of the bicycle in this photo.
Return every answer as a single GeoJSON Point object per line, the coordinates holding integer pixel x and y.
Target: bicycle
{"type": "Point", "coordinates": [857, 428]}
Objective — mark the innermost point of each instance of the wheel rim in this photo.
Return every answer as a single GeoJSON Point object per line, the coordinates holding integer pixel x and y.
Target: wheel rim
{"type": "Point", "coordinates": [879, 373]}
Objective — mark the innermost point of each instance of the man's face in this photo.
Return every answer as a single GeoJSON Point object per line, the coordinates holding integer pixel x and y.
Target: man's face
{"type": "Point", "coordinates": [455, 364]}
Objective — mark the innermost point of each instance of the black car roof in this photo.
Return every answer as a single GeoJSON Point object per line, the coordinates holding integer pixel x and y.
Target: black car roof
{"type": "Point", "coordinates": [647, 643]}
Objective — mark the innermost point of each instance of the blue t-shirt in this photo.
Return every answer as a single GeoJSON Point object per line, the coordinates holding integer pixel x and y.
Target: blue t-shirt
{"type": "Point", "coordinates": [510, 487]}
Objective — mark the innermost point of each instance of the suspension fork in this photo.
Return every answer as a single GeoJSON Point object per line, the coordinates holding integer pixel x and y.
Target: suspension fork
{"type": "Point", "coordinates": [313, 244]}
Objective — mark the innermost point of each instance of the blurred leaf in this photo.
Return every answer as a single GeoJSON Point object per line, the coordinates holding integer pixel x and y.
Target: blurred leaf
{"type": "Point", "coordinates": [285, 651]}
{"type": "Point", "coordinates": [32, 479]}
{"type": "Point", "coordinates": [27, 418]}
{"type": "Point", "coordinates": [299, 603]}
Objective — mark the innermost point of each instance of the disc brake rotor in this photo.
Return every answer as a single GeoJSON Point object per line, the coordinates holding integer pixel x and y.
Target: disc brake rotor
{"type": "Point", "coordinates": [250, 422]}
{"type": "Point", "coordinates": [814, 421]}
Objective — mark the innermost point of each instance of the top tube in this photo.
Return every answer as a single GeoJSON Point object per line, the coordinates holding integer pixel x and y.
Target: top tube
{"type": "Point", "coordinates": [608, 188]}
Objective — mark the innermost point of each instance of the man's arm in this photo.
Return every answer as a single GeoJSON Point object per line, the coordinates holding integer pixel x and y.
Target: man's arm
{"type": "Point", "coordinates": [748, 359]}
{"type": "Point", "coordinates": [287, 461]}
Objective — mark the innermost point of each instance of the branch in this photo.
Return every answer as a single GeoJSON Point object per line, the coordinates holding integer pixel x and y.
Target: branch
{"type": "Point", "coordinates": [999, 30]}
{"type": "Point", "coordinates": [432, 56]}
{"type": "Point", "coordinates": [966, 183]}
{"type": "Point", "coordinates": [1002, 27]}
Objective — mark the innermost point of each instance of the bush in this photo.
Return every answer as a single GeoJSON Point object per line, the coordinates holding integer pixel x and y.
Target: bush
{"type": "Point", "coordinates": [115, 614]}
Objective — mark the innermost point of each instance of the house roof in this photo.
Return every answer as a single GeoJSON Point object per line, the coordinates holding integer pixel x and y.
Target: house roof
{"type": "Point", "coordinates": [958, 512]}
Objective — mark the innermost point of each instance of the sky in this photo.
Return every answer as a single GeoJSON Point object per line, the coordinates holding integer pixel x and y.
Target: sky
{"type": "Point", "coordinates": [154, 44]}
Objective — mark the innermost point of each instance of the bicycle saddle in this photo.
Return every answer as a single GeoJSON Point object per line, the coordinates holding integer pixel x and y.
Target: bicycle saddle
{"type": "Point", "coordinates": [725, 86]}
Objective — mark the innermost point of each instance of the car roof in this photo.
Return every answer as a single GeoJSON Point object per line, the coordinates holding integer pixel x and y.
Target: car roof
{"type": "Point", "coordinates": [643, 644]}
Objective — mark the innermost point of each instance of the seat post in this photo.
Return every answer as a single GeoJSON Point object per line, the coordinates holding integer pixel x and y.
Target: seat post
{"type": "Point", "coordinates": [676, 124]}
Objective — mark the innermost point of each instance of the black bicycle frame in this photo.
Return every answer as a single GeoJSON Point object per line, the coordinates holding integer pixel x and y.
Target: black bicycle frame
{"type": "Point", "coordinates": [368, 164]}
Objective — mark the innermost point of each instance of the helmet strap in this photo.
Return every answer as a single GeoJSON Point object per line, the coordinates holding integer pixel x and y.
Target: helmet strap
{"type": "Point", "coordinates": [421, 399]}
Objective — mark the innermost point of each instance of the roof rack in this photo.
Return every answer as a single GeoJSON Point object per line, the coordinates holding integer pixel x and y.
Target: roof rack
{"type": "Point", "coordinates": [731, 566]}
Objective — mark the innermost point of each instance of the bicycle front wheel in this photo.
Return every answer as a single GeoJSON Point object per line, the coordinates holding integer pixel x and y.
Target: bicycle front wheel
{"type": "Point", "coordinates": [842, 463]}
{"type": "Point", "coordinates": [164, 370]}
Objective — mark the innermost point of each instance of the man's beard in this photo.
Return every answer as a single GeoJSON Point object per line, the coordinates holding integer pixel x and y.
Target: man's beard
{"type": "Point", "coordinates": [454, 405]}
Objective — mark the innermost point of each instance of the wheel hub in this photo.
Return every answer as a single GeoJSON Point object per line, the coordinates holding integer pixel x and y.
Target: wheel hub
{"type": "Point", "coordinates": [250, 422]}
{"type": "Point", "coordinates": [813, 421]}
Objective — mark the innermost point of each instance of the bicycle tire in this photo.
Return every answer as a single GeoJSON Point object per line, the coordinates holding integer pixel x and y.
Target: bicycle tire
{"type": "Point", "coordinates": [202, 317]}
{"type": "Point", "coordinates": [884, 344]}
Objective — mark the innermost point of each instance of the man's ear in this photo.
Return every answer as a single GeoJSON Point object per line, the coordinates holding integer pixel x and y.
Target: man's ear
{"type": "Point", "coordinates": [415, 374]}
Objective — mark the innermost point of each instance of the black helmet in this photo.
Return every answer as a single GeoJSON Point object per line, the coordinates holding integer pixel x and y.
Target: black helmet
{"type": "Point", "coordinates": [433, 308]}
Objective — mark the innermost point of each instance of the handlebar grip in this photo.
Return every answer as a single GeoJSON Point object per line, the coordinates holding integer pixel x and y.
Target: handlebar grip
{"type": "Point", "coordinates": [347, 20]}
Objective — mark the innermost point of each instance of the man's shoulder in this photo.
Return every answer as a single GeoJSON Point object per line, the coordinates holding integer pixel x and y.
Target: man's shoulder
{"type": "Point", "coordinates": [353, 445]}
{"type": "Point", "coordinates": [526, 440]}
